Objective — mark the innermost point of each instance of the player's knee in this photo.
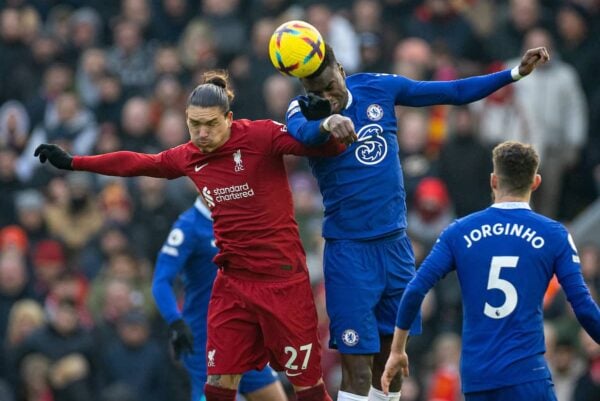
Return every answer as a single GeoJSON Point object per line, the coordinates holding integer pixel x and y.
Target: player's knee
{"type": "Point", "coordinates": [356, 377]}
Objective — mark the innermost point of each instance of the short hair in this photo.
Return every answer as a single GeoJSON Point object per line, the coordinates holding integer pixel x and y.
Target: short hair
{"type": "Point", "coordinates": [328, 61]}
{"type": "Point", "coordinates": [214, 91]}
{"type": "Point", "coordinates": [515, 164]}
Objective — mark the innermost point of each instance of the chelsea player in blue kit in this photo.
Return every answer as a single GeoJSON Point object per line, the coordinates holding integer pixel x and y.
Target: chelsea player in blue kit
{"type": "Point", "coordinates": [188, 251]}
{"type": "Point", "coordinates": [368, 258]}
{"type": "Point", "coordinates": [505, 257]}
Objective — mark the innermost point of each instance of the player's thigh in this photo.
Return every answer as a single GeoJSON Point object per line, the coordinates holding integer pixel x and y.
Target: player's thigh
{"type": "Point", "coordinates": [399, 261]}
{"type": "Point", "coordinates": [256, 379]}
{"type": "Point", "coordinates": [234, 344]}
{"type": "Point", "coordinates": [538, 390]}
{"type": "Point", "coordinates": [354, 282]}
{"type": "Point", "coordinates": [288, 320]}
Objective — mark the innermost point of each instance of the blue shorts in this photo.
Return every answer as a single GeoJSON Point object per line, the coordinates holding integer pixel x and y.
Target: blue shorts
{"type": "Point", "coordinates": [364, 282]}
{"type": "Point", "coordinates": [538, 390]}
{"type": "Point", "coordinates": [251, 381]}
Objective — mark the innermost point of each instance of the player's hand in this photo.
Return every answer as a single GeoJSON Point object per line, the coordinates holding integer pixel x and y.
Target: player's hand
{"type": "Point", "coordinates": [532, 58]}
{"type": "Point", "coordinates": [397, 361]}
{"type": "Point", "coordinates": [56, 155]}
{"type": "Point", "coordinates": [342, 128]}
{"type": "Point", "coordinates": [315, 108]}
{"type": "Point", "coordinates": [182, 338]}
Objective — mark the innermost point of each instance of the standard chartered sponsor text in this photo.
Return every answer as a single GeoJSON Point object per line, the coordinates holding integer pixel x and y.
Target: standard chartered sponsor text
{"type": "Point", "coordinates": [233, 192]}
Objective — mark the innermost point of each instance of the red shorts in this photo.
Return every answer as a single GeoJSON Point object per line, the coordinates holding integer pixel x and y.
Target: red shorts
{"type": "Point", "coordinates": [252, 323]}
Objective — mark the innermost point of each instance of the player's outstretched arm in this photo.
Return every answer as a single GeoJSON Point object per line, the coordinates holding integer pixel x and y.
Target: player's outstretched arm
{"type": "Point", "coordinates": [397, 361]}
{"type": "Point", "coordinates": [120, 164]}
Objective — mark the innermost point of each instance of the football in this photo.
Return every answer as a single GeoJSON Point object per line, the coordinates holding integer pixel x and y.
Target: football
{"type": "Point", "coordinates": [296, 49]}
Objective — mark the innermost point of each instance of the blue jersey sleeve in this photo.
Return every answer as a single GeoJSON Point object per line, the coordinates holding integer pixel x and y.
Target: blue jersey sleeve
{"type": "Point", "coordinates": [306, 131]}
{"type": "Point", "coordinates": [568, 272]}
{"type": "Point", "coordinates": [426, 93]}
{"type": "Point", "coordinates": [171, 260]}
{"type": "Point", "coordinates": [439, 263]}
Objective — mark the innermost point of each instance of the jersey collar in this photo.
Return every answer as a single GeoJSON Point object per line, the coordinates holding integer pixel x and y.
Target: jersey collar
{"type": "Point", "coordinates": [199, 205]}
{"type": "Point", "coordinates": [349, 103]}
{"type": "Point", "coordinates": [512, 205]}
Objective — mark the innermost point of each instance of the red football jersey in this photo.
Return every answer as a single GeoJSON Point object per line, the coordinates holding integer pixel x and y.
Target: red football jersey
{"type": "Point", "coordinates": [245, 185]}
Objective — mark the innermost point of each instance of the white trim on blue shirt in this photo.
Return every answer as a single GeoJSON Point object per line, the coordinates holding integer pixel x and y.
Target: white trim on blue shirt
{"type": "Point", "coordinates": [512, 205]}
{"type": "Point", "coordinates": [198, 204]}
{"type": "Point", "coordinates": [350, 98]}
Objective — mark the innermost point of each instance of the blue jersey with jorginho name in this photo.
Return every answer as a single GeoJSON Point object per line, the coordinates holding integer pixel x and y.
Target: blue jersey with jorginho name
{"type": "Point", "coordinates": [362, 188]}
{"type": "Point", "coordinates": [505, 257]}
{"type": "Point", "coordinates": [188, 253]}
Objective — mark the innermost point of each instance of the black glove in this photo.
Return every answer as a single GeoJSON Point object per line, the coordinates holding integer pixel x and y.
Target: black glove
{"type": "Point", "coordinates": [315, 108]}
{"type": "Point", "coordinates": [55, 155]}
{"type": "Point", "coordinates": [182, 339]}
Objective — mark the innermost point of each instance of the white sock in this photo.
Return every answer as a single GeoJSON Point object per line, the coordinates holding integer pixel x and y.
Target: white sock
{"type": "Point", "coordinates": [344, 396]}
{"type": "Point", "coordinates": [378, 395]}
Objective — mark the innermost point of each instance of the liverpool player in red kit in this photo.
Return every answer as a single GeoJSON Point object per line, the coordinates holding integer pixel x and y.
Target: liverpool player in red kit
{"type": "Point", "coordinates": [261, 309]}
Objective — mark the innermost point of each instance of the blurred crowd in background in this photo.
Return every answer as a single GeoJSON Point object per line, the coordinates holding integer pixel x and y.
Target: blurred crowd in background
{"type": "Point", "coordinates": [77, 320]}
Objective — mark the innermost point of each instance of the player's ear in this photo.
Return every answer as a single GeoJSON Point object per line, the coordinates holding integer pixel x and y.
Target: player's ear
{"type": "Point", "coordinates": [537, 180]}
{"type": "Point", "coordinates": [229, 118]}
{"type": "Point", "coordinates": [342, 71]}
{"type": "Point", "coordinates": [493, 181]}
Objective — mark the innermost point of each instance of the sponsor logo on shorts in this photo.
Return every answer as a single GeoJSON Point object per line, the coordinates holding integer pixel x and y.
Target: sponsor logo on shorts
{"type": "Point", "coordinates": [350, 337]}
{"type": "Point", "coordinates": [211, 358]}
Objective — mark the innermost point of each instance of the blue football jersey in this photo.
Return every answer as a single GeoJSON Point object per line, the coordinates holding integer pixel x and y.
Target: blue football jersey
{"type": "Point", "coordinates": [362, 188]}
{"type": "Point", "coordinates": [187, 253]}
{"type": "Point", "coordinates": [505, 257]}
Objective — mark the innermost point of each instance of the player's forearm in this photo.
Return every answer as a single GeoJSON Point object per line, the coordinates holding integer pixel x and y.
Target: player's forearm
{"type": "Point", "coordinates": [121, 164]}
{"type": "Point", "coordinates": [162, 291]}
{"type": "Point", "coordinates": [409, 307]}
{"type": "Point", "coordinates": [584, 306]}
{"type": "Point", "coordinates": [307, 132]}
{"type": "Point", "coordinates": [400, 340]}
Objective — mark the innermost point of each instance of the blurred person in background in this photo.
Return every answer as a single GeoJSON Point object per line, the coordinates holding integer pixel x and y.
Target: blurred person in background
{"type": "Point", "coordinates": [136, 125]}
{"type": "Point", "coordinates": [10, 183]}
{"type": "Point", "coordinates": [566, 367]}
{"type": "Point", "coordinates": [77, 221]}
{"type": "Point", "coordinates": [25, 316]}
{"type": "Point", "coordinates": [187, 253]}
{"type": "Point", "coordinates": [131, 58]}
{"type": "Point", "coordinates": [277, 91]}
{"type": "Point", "coordinates": [338, 32]}
{"type": "Point", "coordinates": [587, 387]}
{"type": "Point", "coordinates": [444, 384]}
{"type": "Point", "coordinates": [431, 211]}
{"type": "Point", "coordinates": [135, 359]}
{"type": "Point", "coordinates": [70, 350]}
{"type": "Point", "coordinates": [30, 215]}
{"type": "Point", "coordinates": [464, 162]}
{"type": "Point", "coordinates": [90, 70]}
{"type": "Point", "coordinates": [49, 263]}
{"type": "Point", "coordinates": [153, 214]}
{"type": "Point", "coordinates": [14, 126]}
{"type": "Point", "coordinates": [14, 287]}
{"type": "Point", "coordinates": [554, 108]}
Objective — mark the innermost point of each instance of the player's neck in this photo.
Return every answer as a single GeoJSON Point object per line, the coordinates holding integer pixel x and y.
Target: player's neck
{"type": "Point", "coordinates": [503, 198]}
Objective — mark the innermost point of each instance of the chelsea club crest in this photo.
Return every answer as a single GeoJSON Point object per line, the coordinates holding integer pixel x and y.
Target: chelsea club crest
{"type": "Point", "coordinates": [374, 112]}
